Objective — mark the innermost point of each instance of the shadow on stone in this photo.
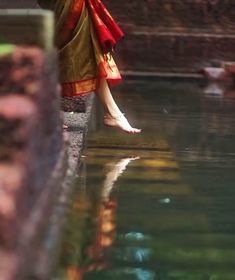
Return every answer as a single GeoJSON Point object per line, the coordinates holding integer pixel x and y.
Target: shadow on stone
{"type": "Point", "coordinates": [73, 104]}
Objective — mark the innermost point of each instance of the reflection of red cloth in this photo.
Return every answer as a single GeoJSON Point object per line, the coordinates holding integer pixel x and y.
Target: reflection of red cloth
{"type": "Point", "coordinates": [108, 32]}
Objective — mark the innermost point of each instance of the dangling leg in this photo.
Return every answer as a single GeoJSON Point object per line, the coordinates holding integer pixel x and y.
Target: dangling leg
{"type": "Point", "coordinates": [112, 114]}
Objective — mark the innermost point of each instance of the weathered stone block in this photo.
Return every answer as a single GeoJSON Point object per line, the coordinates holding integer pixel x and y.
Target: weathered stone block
{"type": "Point", "coordinates": [30, 127]}
{"type": "Point", "coordinates": [18, 115]}
{"type": "Point", "coordinates": [27, 27]}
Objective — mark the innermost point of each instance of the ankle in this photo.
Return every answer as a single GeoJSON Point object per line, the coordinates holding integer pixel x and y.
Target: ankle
{"type": "Point", "coordinates": [113, 116]}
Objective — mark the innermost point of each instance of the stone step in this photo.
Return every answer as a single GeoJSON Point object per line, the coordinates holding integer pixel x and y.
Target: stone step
{"type": "Point", "coordinates": [27, 27]}
{"type": "Point", "coordinates": [173, 14]}
{"type": "Point", "coordinates": [187, 52]}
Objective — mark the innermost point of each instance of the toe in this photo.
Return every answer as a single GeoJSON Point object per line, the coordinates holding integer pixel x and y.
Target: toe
{"type": "Point", "coordinates": [137, 130]}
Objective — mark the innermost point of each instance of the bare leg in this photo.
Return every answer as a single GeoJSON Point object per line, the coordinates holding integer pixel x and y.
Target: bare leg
{"type": "Point", "coordinates": [112, 114]}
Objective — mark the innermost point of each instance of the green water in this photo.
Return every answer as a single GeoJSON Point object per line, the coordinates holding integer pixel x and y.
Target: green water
{"type": "Point", "coordinates": [158, 205]}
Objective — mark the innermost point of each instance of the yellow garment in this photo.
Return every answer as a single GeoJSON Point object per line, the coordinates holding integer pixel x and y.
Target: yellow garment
{"type": "Point", "coordinates": [81, 61]}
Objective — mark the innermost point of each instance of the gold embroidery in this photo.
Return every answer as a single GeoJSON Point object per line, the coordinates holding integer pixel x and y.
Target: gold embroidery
{"type": "Point", "coordinates": [79, 87]}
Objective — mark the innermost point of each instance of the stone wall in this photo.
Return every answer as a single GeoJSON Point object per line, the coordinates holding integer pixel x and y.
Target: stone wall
{"type": "Point", "coordinates": [30, 148]}
{"type": "Point", "coordinates": [32, 158]}
{"type": "Point", "coordinates": [18, 4]}
{"type": "Point", "coordinates": [174, 36]}
{"type": "Point", "coordinates": [199, 14]}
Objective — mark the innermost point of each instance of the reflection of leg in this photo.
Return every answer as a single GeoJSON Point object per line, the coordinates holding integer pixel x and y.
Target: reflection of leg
{"type": "Point", "coordinates": [112, 114]}
{"type": "Point", "coordinates": [112, 175]}
{"type": "Point", "coordinates": [214, 89]}
{"type": "Point", "coordinates": [106, 218]}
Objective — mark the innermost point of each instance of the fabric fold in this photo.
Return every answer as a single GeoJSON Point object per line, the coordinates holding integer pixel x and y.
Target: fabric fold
{"type": "Point", "coordinates": [108, 31]}
{"type": "Point", "coordinates": [86, 33]}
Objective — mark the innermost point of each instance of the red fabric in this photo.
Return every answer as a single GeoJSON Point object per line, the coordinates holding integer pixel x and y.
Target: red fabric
{"type": "Point", "coordinates": [108, 31]}
{"type": "Point", "coordinates": [110, 72]}
{"type": "Point", "coordinates": [72, 19]}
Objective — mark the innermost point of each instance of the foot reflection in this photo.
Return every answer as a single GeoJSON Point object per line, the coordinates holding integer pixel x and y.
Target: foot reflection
{"type": "Point", "coordinates": [96, 251]}
{"type": "Point", "coordinates": [106, 215]}
{"type": "Point", "coordinates": [214, 90]}
{"type": "Point", "coordinates": [114, 170]}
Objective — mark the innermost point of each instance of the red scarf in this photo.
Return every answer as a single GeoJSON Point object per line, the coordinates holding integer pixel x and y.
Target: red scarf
{"type": "Point", "coordinates": [108, 31]}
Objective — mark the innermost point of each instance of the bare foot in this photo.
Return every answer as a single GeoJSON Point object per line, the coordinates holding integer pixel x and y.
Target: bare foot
{"type": "Point", "coordinates": [120, 122]}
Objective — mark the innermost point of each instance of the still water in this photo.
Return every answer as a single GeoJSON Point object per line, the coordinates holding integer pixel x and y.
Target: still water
{"type": "Point", "coordinates": [160, 205]}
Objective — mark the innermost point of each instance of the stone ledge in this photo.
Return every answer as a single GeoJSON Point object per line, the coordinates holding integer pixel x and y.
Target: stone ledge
{"type": "Point", "coordinates": [173, 52]}
{"type": "Point", "coordinates": [33, 152]}
{"type": "Point", "coordinates": [15, 262]}
{"type": "Point", "coordinates": [185, 31]}
{"type": "Point", "coordinates": [162, 76]}
{"type": "Point", "coordinates": [76, 141]}
{"type": "Point", "coordinates": [173, 13]}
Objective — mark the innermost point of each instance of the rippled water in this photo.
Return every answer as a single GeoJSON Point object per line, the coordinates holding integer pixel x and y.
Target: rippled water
{"type": "Point", "coordinates": [159, 205]}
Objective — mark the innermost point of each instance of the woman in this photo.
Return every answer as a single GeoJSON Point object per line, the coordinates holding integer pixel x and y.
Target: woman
{"type": "Point", "coordinates": [85, 36]}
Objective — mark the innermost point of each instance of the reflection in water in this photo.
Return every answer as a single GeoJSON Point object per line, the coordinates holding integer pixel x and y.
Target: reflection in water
{"type": "Point", "coordinates": [104, 227]}
{"type": "Point", "coordinates": [135, 236]}
{"type": "Point", "coordinates": [170, 215]}
{"type": "Point", "coordinates": [114, 170]}
{"type": "Point", "coordinates": [214, 89]}
{"type": "Point", "coordinates": [135, 254]}
{"type": "Point", "coordinates": [106, 216]}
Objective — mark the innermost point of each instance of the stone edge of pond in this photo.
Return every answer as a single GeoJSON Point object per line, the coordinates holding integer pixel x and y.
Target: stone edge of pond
{"type": "Point", "coordinates": [162, 76]}
{"type": "Point", "coordinates": [75, 136]}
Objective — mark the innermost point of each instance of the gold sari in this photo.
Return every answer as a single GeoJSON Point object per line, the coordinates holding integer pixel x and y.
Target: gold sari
{"type": "Point", "coordinates": [82, 62]}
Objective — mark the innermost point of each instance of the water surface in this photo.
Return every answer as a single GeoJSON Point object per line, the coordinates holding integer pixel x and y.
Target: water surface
{"type": "Point", "coordinates": [158, 205]}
